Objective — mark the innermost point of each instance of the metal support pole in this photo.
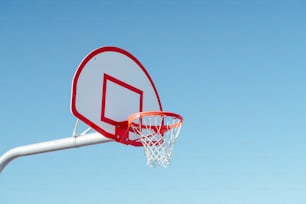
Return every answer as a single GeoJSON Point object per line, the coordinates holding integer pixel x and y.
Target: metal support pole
{"type": "Point", "coordinates": [49, 146]}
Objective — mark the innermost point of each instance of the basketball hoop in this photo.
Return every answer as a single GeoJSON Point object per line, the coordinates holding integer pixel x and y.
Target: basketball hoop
{"type": "Point", "coordinates": [157, 132]}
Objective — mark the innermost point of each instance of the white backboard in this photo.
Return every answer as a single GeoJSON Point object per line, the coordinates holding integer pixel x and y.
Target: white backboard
{"type": "Point", "coordinates": [109, 85]}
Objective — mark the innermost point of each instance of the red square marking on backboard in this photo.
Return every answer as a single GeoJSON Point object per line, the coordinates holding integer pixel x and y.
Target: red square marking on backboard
{"type": "Point", "coordinates": [107, 80]}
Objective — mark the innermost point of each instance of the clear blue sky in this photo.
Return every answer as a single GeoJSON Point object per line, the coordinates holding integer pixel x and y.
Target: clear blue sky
{"type": "Point", "coordinates": [234, 69]}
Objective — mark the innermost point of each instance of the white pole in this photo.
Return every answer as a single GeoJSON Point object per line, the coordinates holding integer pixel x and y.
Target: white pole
{"type": "Point", "coordinates": [49, 146]}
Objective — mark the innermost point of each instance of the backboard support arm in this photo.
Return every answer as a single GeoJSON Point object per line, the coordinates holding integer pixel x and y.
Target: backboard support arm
{"type": "Point", "coordinates": [50, 146]}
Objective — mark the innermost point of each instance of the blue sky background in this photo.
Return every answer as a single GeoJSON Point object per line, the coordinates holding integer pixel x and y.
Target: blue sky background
{"type": "Point", "coordinates": [234, 69]}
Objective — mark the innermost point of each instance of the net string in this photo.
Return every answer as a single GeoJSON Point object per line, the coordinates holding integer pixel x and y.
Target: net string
{"type": "Point", "coordinates": [158, 134]}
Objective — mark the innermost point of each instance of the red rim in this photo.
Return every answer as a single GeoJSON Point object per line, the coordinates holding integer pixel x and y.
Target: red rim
{"type": "Point", "coordinates": [140, 115]}
{"type": "Point", "coordinates": [124, 135]}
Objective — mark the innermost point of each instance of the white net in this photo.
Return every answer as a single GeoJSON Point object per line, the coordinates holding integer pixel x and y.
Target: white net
{"type": "Point", "coordinates": [157, 133]}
